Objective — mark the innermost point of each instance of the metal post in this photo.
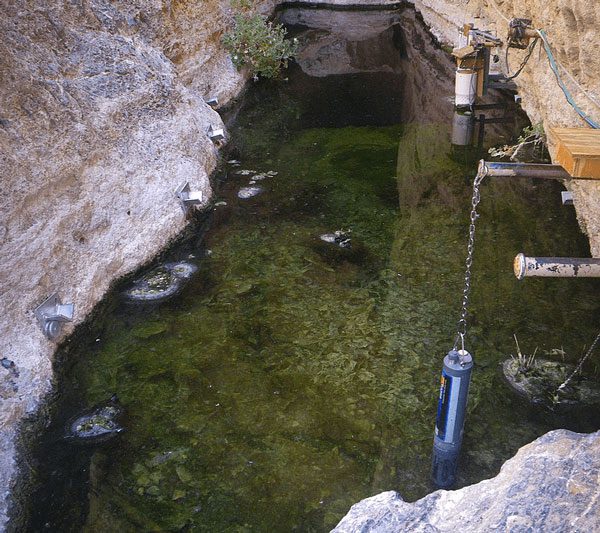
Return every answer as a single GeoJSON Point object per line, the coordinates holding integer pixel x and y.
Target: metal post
{"type": "Point", "coordinates": [497, 169]}
{"type": "Point", "coordinates": [481, 135]}
{"type": "Point", "coordinates": [556, 267]}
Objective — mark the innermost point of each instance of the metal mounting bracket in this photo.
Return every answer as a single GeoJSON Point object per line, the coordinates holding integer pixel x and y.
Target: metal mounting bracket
{"type": "Point", "coordinates": [187, 197]}
{"type": "Point", "coordinates": [213, 102]}
{"type": "Point", "coordinates": [51, 314]}
{"type": "Point", "coordinates": [567, 197]}
{"type": "Point", "coordinates": [216, 134]}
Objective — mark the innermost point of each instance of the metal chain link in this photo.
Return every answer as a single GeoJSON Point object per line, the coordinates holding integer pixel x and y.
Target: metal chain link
{"type": "Point", "coordinates": [476, 198]}
{"type": "Point", "coordinates": [578, 367]}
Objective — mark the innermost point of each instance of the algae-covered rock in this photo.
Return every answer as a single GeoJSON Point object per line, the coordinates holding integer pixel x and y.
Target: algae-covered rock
{"type": "Point", "coordinates": [161, 283]}
{"type": "Point", "coordinates": [150, 329]}
{"type": "Point", "coordinates": [539, 383]}
{"type": "Point", "coordinates": [249, 192]}
{"type": "Point", "coordinates": [97, 424]}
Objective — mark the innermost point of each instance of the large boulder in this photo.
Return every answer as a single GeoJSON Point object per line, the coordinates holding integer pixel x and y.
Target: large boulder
{"type": "Point", "coordinates": [550, 485]}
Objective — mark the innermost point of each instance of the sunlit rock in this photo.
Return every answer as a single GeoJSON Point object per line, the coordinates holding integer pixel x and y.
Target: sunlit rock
{"type": "Point", "coordinates": [550, 485]}
{"type": "Point", "coordinates": [161, 283]}
{"type": "Point", "coordinates": [249, 192]}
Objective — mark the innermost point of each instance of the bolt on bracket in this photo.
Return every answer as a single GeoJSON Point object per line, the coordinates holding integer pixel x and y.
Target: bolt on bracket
{"type": "Point", "coordinates": [216, 134]}
{"type": "Point", "coordinates": [187, 197]}
{"type": "Point", "coordinates": [213, 102]}
{"type": "Point", "coordinates": [51, 314]}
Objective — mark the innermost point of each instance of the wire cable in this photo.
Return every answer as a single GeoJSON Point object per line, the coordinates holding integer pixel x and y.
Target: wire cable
{"type": "Point", "coordinates": [523, 63]}
{"type": "Point", "coordinates": [561, 83]}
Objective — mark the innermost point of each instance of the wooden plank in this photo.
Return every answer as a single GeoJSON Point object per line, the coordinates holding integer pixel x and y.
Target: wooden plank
{"type": "Point", "coordinates": [578, 151]}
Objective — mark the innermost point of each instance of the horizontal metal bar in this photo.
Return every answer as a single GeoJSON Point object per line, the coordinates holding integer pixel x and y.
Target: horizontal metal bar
{"type": "Point", "coordinates": [507, 105]}
{"type": "Point", "coordinates": [495, 120]}
{"type": "Point", "coordinates": [497, 169]}
{"type": "Point", "coordinates": [556, 267]}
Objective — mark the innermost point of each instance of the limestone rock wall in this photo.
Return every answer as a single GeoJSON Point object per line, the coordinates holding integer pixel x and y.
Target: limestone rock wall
{"type": "Point", "coordinates": [102, 117]}
{"type": "Point", "coordinates": [550, 485]}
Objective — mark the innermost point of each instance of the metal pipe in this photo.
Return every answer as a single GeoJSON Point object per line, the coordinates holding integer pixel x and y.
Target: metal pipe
{"type": "Point", "coordinates": [556, 267]}
{"type": "Point", "coordinates": [497, 169]}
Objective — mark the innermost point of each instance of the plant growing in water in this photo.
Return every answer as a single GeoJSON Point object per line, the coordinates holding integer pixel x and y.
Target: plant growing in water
{"type": "Point", "coordinates": [259, 44]}
{"type": "Point", "coordinates": [525, 362]}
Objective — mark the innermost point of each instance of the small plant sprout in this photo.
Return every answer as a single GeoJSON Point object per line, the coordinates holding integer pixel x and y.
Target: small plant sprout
{"type": "Point", "coordinates": [525, 362]}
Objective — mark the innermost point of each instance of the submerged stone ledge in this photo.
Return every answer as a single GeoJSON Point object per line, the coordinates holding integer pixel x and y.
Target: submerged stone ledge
{"type": "Point", "coordinates": [549, 485]}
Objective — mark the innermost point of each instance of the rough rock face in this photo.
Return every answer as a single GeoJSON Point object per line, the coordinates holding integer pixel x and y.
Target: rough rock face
{"type": "Point", "coordinates": [550, 485]}
{"type": "Point", "coordinates": [102, 117]}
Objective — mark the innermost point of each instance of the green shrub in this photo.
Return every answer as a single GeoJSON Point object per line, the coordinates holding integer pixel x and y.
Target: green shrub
{"type": "Point", "coordinates": [259, 44]}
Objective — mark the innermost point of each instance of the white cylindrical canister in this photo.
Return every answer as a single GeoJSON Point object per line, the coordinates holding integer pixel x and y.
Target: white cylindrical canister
{"type": "Point", "coordinates": [465, 87]}
{"type": "Point", "coordinates": [462, 128]}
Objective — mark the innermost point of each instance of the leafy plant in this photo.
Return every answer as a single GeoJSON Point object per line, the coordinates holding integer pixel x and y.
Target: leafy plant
{"type": "Point", "coordinates": [259, 44]}
{"type": "Point", "coordinates": [530, 146]}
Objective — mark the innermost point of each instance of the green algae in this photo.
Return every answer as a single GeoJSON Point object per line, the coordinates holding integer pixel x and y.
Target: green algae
{"type": "Point", "coordinates": [295, 385]}
{"type": "Point", "coordinates": [290, 379]}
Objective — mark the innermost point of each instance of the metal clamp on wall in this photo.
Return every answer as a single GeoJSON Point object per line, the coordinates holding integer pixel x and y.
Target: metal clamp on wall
{"type": "Point", "coordinates": [187, 197]}
{"type": "Point", "coordinates": [51, 314]}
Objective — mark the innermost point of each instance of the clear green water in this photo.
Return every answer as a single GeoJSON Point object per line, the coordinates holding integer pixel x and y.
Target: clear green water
{"type": "Point", "coordinates": [291, 378]}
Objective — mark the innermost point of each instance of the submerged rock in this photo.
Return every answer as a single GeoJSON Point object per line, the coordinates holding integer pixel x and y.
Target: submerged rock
{"type": "Point", "coordinates": [182, 270]}
{"type": "Point", "coordinates": [339, 237]}
{"type": "Point", "coordinates": [249, 192]}
{"type": "Point", "coordinates": [539, 383]}
{"type": "Point", "coordinates": [161, 283]}
{"type": "Point", "coordinates": [97, 424]}
{"type": "Point", "coordinates": [549, 485]}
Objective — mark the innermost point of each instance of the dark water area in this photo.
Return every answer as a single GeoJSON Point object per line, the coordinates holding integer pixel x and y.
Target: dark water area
{"type": "Point", "coordinates": [291, 377]}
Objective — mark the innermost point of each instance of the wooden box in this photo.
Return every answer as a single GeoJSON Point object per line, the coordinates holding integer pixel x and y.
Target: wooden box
{"type": "Point", "coordinates": [578, 151]}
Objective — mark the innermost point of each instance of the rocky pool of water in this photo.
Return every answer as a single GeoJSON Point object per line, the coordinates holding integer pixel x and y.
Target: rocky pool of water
{"type": "Point", "coordinates": [293, 376]}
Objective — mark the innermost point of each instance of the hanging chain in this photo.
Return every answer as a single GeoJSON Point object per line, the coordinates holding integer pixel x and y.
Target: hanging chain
{"type": "Point", "coordinates": [462, 323]}
{"type": "Point", "coordinates": [578, 367]}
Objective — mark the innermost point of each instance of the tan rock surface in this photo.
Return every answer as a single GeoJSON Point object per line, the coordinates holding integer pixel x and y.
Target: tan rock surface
{"type": "Point", "coordinates": [551, 484]}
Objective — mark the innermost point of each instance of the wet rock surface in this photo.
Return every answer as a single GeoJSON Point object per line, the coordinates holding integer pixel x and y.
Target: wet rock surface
{"type": "Point", "coordinates": [161, 283]}
{"type": "Point", "coordinates": [249, 192]}
{"type": "Point", "coordinates": [97, 424]}
{"type": "Point", "coordinates": [550, 485]}
{"type": "Point", "coordinates": [539, 384]}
